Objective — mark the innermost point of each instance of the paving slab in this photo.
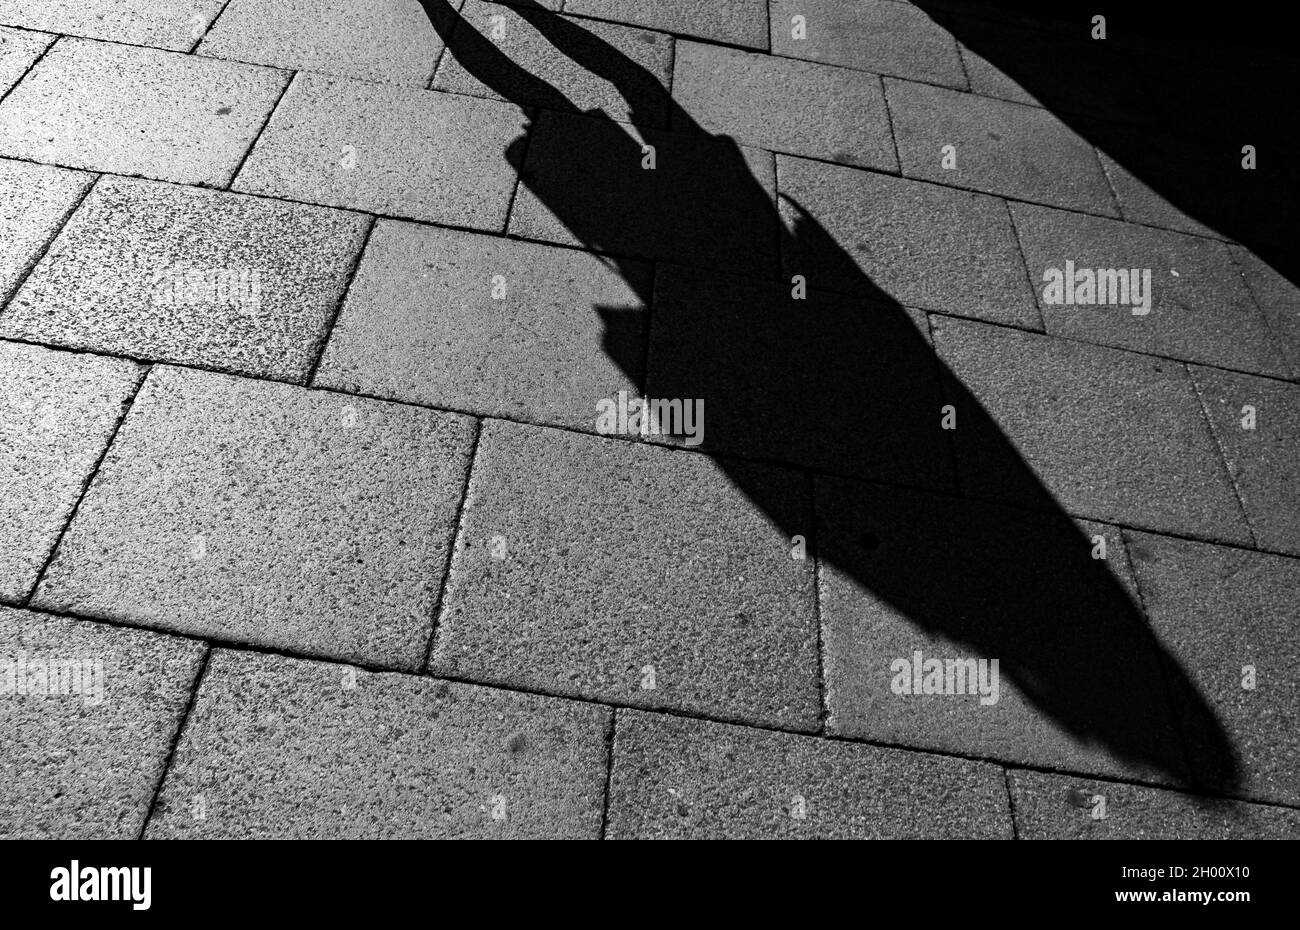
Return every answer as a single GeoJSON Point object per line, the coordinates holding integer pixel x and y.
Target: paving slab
{"type": "Point", "coordinates": [735, 22]}
{"type": "Point", "coordinates": [1229, 617]}
{"type": "Point", "coordinates": [835, 383]}
{"type": "Point", "coordinates": [179, 274]}
{"type": "Point", "coordinates": [393, 42]}
{"type": "Point", "coordinates": [1112, 436]}
{"type": "Point", "coordinates": [154, 114]}
{"type": "Point", "coordinates": [19, 50]}
{"type": "Point", "coordinates": [1056, 807]}
{"type": "Point", "coordinates": [34, 202]}
{"type": "Point", "coordinates": [265, 513]}
{"type": "Point", "coordinates": [785, 105]}
{"type": "Point", "coordinates": [1257, 424]}
{"type": "Point", "coordinates": [997, 147]}
{"type": "Point", "coordinates": [616, 70]}
{"type": "Point", "coordinates": [908, 578]}
{"type": "Point", "coordinates": [677, 778]}
{"type": "Point", "coordinates": [283, 748]}
{"type": "Point", "coordinates": [488, 325]}
{"type": "Point", "coordinates": [874, 35]}
{"type": "Point", "coordinates": [393, 151]}
{"type": "Point", "coordinates": [1278, 297]}
{"type": "Point", "coordinates": [1199, 309]}
{"type": "Point", "coordinates": [90, 712]}
{"type": "Point", "coordinates": [918, 244]}
{"type": "Point", "coordinates": [706, 202]}
{"type": "Point", "coordinates": [168, 24]}
{"type": "Point", "coordinates": [622, 571]}
{"type": "Point", "coordinates": [57, 413]}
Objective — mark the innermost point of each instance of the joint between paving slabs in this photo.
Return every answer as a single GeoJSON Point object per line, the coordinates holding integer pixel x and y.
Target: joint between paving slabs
{"type": "Point", "coordinates": [453, 539]}
{"type": "Point", "coordinates": [1163, 661]}
{"type": "Point", "coordinates": [204, 661]}
{"type": "Point", "coordinates": [208, 31]}
{"type": "Point", "coordinates": [333, 320]}
{"type": "Point", "coordinates": [29, 69]}
{"type": "Point", "coordinates": [234, 175]}
{"type": "Point", "coordinates": [532, 114]}
{"type": "Point", "coordinates": [1269, 326]}
{"type": "Point", "coordinates": [49, 243]}
{"type": "Point", "coordinates": [89, 481]}
{"type": "Point", "coordinates": [893, 136]}
{"type": "Point", "coordinates": [1223, 457]}
{"type": "Point", "coordinates": [812, 541]}
{"type": "Point", "coordinates": [1011, 803]}
{"type": "Point", "coordinates": [950, 441]}
{"type": "Point", "coordinates": [611, 734]}
{"type": "Point", "coordinates": [1024, 263]}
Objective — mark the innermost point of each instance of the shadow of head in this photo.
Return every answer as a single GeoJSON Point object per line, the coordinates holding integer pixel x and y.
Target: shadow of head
{"type": "Point", "coordinates": [847, 386]}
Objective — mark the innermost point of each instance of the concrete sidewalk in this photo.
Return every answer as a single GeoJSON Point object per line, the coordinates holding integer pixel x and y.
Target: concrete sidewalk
{"type": "Point", "coordinates": [310, 525]}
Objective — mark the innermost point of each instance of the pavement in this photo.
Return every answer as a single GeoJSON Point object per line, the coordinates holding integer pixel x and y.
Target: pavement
{"type": "Point", "coordinates": [326, 509]}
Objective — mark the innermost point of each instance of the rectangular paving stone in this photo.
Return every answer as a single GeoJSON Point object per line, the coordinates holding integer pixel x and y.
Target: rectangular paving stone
{"type": "Point", "coordinates": [831, 382]}
{"type": "Point", "coordinates": [57, 412]}
{"type": "Point", "coordinates": [169, 24]}
{"type": "Point", "coordinates": [1272, 284]}
{"type": "Point", "coordinates": [1055, 807]}
{"type": "Point", "coordinates": [1078, 685]}
{"type": "Point", "coordinates": [90, 712]}
{"type": "Point", "coordinates": [1110, 435]}
{"type": "Point", "coordinates": [282, 748]}
{"type": "Point", "coordinates": [1199, 308]}
{"type": "Point", "coordinates": [1262, 448]}
{"type": "Point", "coordinates": [34, 202]}
{"type": "Point", "coordinates": [19, 50]}
{"type": "Point", "coordinates": [622, 72]}
{"type": "Point", "coordinates": [706, 202]}
{"type": "Point", "coordinates": [155, 114]}
{"type": "Point", "coordinates": [999, 148]}
{"type": "Point", "coordinates": [406, 153]}
{"type": "Point", "coordinates": [1229, 617]}
{"type": "Point", "coordinates": [184, 275]}
{"type": "Point", "coordinates": [735, 22]}
{"type": "Point", "coordinates": [259, 512]}
{"type": "Point", "coordinates": [361, 39]}
{"type": "Point", "coordinates": [422, 324]}
{"type": "Point", "coordinates": [891, 238]}
{"type": "Point", "coordinates": [676, 778]}
{"type": "Point", "coordinates": [626, 572]}
{"type": "Point", "coordinates": [874, 35]}
{"type": "Point", "coordinates": [784, 105]}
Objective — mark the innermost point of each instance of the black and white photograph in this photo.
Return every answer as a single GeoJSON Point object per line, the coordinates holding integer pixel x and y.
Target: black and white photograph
{"type": "Point", "coordinates": [649, 419]}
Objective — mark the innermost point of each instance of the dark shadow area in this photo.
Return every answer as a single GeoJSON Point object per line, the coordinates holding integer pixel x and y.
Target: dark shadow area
{"type": "Point", "coordinates": [846, 386]}
{"type": "Point", "coordinates": [1172, 98]}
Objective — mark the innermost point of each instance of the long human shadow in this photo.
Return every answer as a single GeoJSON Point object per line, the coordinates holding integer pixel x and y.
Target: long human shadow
{"type": "Point", "coordinates": [845, 387]}
{"type": "Point", "coordinates": [1176, 122]}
